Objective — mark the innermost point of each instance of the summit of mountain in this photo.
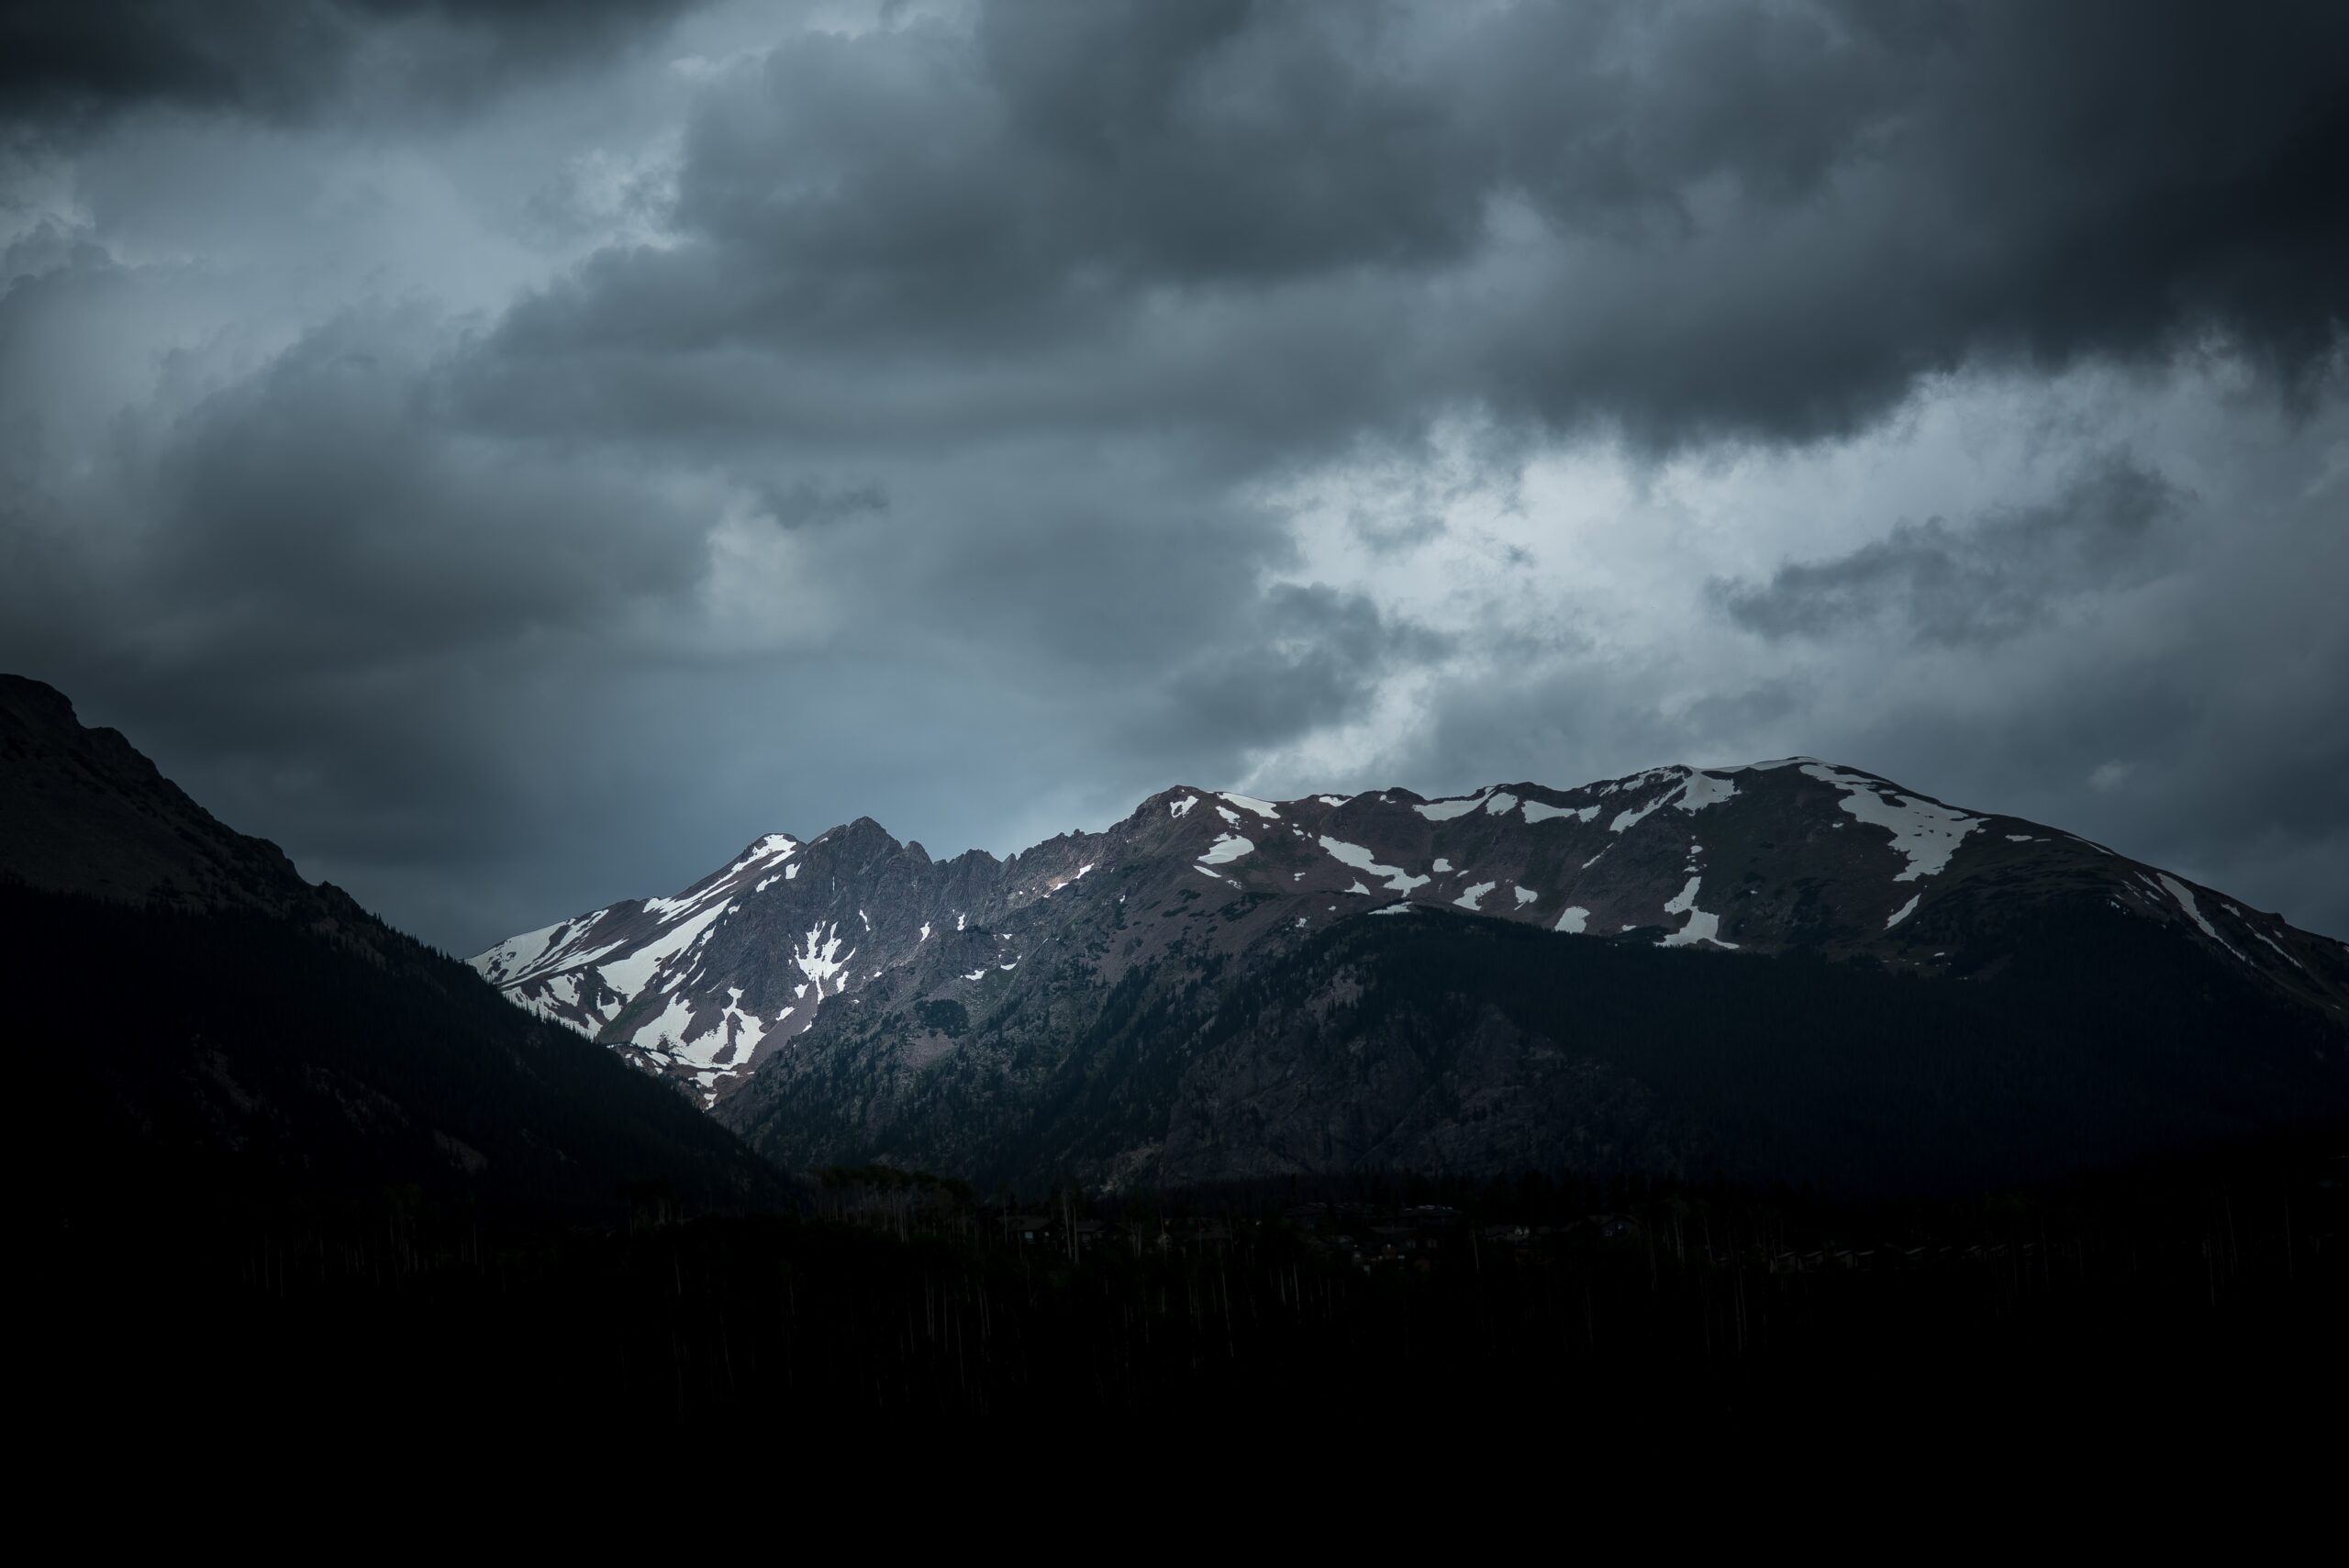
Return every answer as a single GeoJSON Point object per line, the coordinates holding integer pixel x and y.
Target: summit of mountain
{"type": "Point", "coordinates": [849, 997]}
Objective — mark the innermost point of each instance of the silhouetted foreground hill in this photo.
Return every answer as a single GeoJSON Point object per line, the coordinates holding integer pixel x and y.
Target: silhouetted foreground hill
{"type": "Point", "coordinates": [195, 1025]}
{"type": "Point", "coordinates": [243, 1059]}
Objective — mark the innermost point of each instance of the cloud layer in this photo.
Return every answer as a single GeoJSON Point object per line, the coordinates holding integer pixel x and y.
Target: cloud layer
{"type": "Point", "coordinates": [515, 455]}
{"type": "Point", "coordinates": [1983, 581]}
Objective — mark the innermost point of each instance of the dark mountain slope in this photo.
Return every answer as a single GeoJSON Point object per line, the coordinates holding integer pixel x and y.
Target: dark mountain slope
{"type": "Point", "coordinates": [1456, 1045]}
{"type": "Point", "coordinates": [82, 811]}
{"type": "Point", "coordinates": [191, 1021]}
{"type": "Point", "coordinates": [1474, 1047]}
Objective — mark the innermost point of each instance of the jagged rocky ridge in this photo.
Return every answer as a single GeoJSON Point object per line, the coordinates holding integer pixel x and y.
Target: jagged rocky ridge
{"type": "Point", "coordinates": [849, 997]}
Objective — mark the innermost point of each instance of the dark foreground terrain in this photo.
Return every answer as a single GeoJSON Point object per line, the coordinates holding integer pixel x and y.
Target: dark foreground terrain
{"type": "Point", "coordinates": [2155, 1301]}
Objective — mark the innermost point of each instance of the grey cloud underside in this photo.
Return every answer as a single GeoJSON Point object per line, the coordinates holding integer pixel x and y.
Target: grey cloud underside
{"type": "Point", "coordinates": [1983, 581]}
{"type": "Point", "coordinates": [1681, 221]}
{"type": "Point", "coordinates": [890, 422]}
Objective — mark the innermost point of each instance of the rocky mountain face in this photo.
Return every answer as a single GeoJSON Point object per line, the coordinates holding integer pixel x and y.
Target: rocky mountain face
{"type": "Point", "coordinates": [82, 811]}
{"type": "Point", "coordinates": [194, 1020]}
{"type": "Point", "coordinates": [1222, 987]}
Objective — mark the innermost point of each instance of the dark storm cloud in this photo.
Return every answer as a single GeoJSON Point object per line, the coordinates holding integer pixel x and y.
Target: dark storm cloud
{"type": "Point", "coordinates": [1685, 221]}
{"type": "Point", "coordinates": [319, 510]}
{"type": "Point", "coordinates": [1848, 200]}
{"type": "Point", "coordinates": [1315, 658]}
{"type": "Point", "coordinates": [805, 504]}
{"type": "Point", "coordinates": [68, 60]}
{"type": "Point", "coordinates": [1981, 582]}
{"type": "Point", "coordinates": [306, 582]}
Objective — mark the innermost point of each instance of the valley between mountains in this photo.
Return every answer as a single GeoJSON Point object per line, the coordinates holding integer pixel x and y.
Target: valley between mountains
{"type": "Point", "coordinates": [1790, 970]}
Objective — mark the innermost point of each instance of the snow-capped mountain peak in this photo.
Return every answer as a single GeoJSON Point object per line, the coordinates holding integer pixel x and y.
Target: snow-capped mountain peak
{"type": "Point", "coordinates": [1791, 854]}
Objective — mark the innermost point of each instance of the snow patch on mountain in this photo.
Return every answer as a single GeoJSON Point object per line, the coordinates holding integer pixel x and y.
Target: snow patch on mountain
{"type": "Point", "coordinates": [1631, 816]}
{"type": "Point", "coordinates": [1694, 793]}
{"type": "Point", "coordinates": [1445, 810]}
{"type": "Point", "coordinates": [630, 975]}
{"type": "Point", "coordinates": [1924, 833]}
{"type": "Point", "coordinates": [2185, 897]}
{"type": "Point", "coordinates": [772, 849]}
{"type": "Point", "coordinates": [1703, 790]}
{"type": "Point", "coordinates": [1702, 926]}
{"type": "Point", "coordinates": [666, 1027]}
{"type": "Point", "coordinates": [1472, 896]}
{"type": "Point", "coordinates": [518, 958]}
{"type": "Point", "coordinates": [1228, 847]}
{"type": "Point", "coordinates": [2272, 942]}
{"type": "Point", "coordinates": [1361, 859]}
{"type": "Point", "coordinates": [820, 957]}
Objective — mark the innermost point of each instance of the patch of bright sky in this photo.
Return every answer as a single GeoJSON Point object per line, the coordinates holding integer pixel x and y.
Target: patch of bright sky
{"type": "Point", "coordinates": [1582, 555]}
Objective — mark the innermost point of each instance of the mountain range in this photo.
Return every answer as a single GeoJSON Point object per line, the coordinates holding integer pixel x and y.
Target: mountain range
{"type": "Point", "coordinates": [1790, 969]}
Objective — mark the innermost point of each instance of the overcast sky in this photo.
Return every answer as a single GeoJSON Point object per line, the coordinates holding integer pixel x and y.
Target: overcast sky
{"type": "Point", "coordinates": [513, 456]}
